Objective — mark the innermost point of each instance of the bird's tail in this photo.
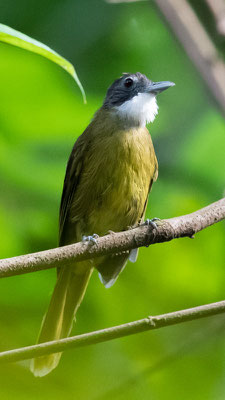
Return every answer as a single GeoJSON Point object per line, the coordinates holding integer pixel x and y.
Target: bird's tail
{"type": "Point", "coordinates": [57, 323]}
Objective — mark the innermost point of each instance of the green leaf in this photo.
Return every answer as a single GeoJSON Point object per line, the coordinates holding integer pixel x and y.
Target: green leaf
{"type": "Point", "coordinates": [16, 38]}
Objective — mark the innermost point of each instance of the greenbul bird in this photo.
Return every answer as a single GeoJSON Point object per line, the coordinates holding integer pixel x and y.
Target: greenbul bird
{"type": "Point", "coordinates": [109, 175]}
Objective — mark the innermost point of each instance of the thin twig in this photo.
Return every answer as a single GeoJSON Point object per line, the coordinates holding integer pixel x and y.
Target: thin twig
{"type": "Point", "coordinates": [167, 229]}
{"type": "Point", "coordinates": [196, 340]}
{"type": "Point", "coordinates": [131, 328]}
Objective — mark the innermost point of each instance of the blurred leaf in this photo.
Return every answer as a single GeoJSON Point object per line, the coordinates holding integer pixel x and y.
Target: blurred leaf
{"type": "Point", "coordinates": [16, 38]}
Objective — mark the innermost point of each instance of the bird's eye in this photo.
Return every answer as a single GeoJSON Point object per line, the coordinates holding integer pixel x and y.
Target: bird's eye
{"type": "Point", "coordinates": [128, 82]}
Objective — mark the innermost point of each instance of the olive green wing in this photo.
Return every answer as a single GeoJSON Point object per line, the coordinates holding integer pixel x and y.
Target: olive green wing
{"type": "Point", "coordinates": [71, 181]}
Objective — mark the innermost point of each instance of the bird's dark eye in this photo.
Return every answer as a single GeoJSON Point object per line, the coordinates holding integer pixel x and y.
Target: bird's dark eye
{"type": "Point", "coordinates": [128, 82]}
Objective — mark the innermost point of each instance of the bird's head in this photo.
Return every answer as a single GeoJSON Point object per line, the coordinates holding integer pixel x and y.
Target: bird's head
{"type": "Point", "coordinates": [132, 98]}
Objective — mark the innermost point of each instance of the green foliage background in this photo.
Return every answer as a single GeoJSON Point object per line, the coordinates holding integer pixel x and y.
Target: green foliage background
{"type": "Point", "coordinates": [41, 115]}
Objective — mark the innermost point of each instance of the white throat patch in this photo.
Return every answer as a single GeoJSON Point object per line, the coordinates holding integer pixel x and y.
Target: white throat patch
{"type": "Point", "coordinates": [141, 109]}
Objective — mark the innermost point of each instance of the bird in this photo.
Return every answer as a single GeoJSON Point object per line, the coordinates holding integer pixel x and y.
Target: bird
{"type": "Point", "coordinates": [108, 179]}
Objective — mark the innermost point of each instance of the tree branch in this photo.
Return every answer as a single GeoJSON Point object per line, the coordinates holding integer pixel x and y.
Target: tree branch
{"type": "Point", "coordinates": [104, 335]}
{"type": "Point", "coordinates": [197, 43]}
{"type": "Point", "coordinates": [218, 9]}
{"type": "Point", "coordinates": [167, 229]}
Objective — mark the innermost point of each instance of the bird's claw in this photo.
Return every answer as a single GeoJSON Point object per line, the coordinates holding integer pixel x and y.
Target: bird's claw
{"type": "Point", "coordinates": [152, 222]}
{"type": "Point", "coordinates": [90, 239]}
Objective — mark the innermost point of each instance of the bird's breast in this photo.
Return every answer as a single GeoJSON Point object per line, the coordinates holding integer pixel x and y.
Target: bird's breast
{"type": "Point", "coordinates": [119, 180]}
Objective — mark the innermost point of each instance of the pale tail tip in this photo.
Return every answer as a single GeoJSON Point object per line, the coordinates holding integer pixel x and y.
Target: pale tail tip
{"type": "Point", "coordinates": [106, 283]}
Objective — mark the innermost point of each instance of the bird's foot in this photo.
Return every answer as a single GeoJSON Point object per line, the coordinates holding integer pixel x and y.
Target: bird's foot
{"type": "Point", "coordinates": [91, 239]}
{"type": "Point", "coordinates": [152, 222]}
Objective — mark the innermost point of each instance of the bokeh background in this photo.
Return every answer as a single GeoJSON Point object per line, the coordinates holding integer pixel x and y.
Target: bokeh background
{"type": "Point", "coordinates": [41, 115]}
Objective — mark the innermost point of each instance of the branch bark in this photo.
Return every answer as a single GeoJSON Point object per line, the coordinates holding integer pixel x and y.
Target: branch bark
{"type": "Point", "coordinates": [104, 335]}
{"type": "Point", "coordinates": [167, 229]}
{"type": "Point", "coordinates": [218, 9]}
{"type": "Point", "coordinates": [197, 43]}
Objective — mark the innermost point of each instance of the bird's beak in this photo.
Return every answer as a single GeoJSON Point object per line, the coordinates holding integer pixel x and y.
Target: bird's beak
{"type": "Point", "coordinates": [158, 87]}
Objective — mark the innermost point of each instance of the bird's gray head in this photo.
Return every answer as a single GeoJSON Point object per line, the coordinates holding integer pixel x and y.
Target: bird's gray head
{"type": "Point", "coordinates": [132, 97]}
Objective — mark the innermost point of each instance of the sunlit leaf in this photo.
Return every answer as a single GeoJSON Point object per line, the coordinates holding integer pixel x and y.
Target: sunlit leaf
{"type": "Point", "coordinates": [16, 38]}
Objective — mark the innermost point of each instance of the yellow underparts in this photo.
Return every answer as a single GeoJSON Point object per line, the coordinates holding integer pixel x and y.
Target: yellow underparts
{"type": "Point", "coordinates": [115, 181]}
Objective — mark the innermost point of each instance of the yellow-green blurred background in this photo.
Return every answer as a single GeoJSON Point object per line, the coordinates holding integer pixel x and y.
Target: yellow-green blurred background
{"type": "Point", "coordinates": [41, 115]}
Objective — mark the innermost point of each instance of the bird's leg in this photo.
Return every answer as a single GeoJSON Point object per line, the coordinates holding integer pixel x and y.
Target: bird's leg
{"type": "Point", "coordinates": [152, 222]}
{"type": "Point", "coordinates": [91, 239]}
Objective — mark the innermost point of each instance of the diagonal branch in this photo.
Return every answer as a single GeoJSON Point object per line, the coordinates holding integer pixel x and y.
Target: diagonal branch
{"type": "Point", "coordinates": [197, 43]}
{"type": "Point", "coordinates": [115, 332]}
{"type": "Point", "coordinates": [167, 229]}
{"type": "Point", "coordinates": [218, 10]}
